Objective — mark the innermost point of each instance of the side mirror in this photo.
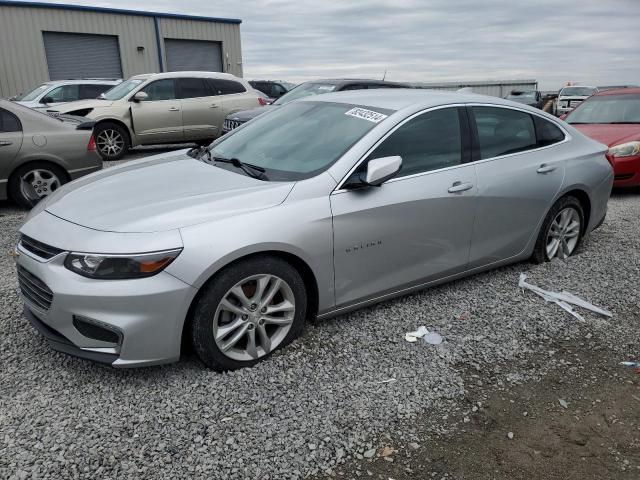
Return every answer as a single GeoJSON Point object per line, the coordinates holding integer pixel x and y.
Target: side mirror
{"type": "Point", "coordinates": [46, 100]}
{"type": "Point", "coordinates": [379, 170]}
{"type": "Point", "coordinates": [140, 97]}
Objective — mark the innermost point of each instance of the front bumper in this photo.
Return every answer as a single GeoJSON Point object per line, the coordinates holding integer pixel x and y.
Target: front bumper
{"type": "Point", "coordinates": [626, 171]}
{"type": "Point", "coordinates": [147, 313]}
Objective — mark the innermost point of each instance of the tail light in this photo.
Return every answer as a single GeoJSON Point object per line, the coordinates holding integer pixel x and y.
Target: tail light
{"type": "Point", "coordinates": [92, 144]}
{"type": "Point", "coordinates": [262, 101]}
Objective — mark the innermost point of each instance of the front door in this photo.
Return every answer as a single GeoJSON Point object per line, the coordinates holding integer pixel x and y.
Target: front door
{"type": "Point", "coordinates": [10, 144]}
{"type": "Point", "coordinates": [158, 119]}
{"type": "Point", "coordinates": [416, 227]}
{"type": "Point", "coordinates": [517, 180]}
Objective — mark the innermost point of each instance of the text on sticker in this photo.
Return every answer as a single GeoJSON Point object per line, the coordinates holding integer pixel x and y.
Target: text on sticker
{"type": "Point", "coordinates": [365, 114]}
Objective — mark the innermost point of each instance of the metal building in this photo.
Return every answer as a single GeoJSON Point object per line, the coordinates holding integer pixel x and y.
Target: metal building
{"type": "Point", "coordinates": [494, 88]}
{"type": "Point", "coordinates": [43, 41]}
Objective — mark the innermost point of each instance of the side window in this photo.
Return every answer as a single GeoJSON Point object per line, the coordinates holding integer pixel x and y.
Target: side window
{"type": "Point", "coordinates": [502, 131]}
{"type": "Point", "coordinates": [92, 90]}
{"type": "Point", "coordinates": [227, 87]}
{"type": "Point", "coordinates": [430, 141]}
{"type": "Point", "coordinates": [546, 132]}
{"type": "Point", "coordinates": [65, 93]}
{"type": "Point", "coordinates": [161, 90]}
{"type": "Point", "coordinates": [9, 122]}
{"type": "Point", "coordinates": [278, 90]}
{"type": "Point", "coordinates": [353, 86]}
{"type": "Point", "coordinates": [194, 88]}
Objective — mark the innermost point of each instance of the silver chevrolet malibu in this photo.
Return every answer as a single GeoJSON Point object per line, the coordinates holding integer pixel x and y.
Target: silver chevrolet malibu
{"type": "Point", "coordinates": [323, 206]}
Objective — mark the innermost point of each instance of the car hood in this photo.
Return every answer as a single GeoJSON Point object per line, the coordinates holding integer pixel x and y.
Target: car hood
{"type": "Point", "coordinates": [610, 134]}
{"type": "Point", "coordinates": [160, 193]}
{"type": "Point", "coordinates": [81, 104]}
{"type": "Point", "coordinates": [246, 115]}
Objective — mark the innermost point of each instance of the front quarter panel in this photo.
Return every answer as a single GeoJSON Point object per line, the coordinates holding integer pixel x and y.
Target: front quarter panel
{"type": "Point", "coordinates": [301, 226]}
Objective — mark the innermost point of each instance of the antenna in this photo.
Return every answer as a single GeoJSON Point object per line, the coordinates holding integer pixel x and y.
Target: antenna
{"type": "Point", "coordinates": [385, 74]}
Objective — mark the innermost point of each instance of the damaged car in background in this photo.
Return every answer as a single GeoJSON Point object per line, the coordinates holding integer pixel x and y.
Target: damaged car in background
{"type": "Point", "coordinates": [325, 205]}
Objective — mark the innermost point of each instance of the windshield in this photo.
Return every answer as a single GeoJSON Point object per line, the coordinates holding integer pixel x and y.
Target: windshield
{"type": "Point", "coordinates": [299, 140]}
{"type": "Point", "coordinates": [33, 94]}
{"type": "Point", "coordinates": [305, 90]}
{"type": "Point", "coordinates": [120, 90]}
{"type": "Point", "coordinates": [577, 91]}
{"type": "Point", "coordinates": [607, 109]}
{"type": "Point", "coordinates": [521, 95]}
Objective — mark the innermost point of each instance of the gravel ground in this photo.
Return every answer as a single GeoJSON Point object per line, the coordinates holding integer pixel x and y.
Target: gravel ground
{"type": "Point", "coordinates": [324, 400]}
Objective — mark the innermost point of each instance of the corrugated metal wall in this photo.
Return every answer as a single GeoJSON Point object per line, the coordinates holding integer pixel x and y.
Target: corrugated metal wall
{"type": "Point", "coordinates": [23, 62]}
{"type": "Point", "coordinates": [494, 88]}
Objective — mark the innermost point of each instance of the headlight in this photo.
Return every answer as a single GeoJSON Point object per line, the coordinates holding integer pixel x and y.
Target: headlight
{"type": "Point", "coordinates": [118, 267]}
{"type": "Point", "coordinates": [625, 149]}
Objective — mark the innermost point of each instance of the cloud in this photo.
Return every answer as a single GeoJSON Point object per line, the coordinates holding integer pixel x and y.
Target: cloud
{"type": "Point", "coordinates": [553, 41]}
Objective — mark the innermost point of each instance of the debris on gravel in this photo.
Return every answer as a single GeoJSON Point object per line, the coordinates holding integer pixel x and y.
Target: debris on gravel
{"type": "Point", "coordinates": [62, 417]}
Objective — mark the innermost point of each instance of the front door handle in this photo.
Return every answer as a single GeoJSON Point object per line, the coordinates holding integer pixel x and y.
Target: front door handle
{"type": "Point", "coordinates": [545, 168]}
{"type": "Point", "coordinates": [174, 109]}
{"type": "Point", "coordinates": [213, 105]}
{"type": "Point", "coordinates": [5, 143]}
{"type": "Point", "coordinates": [458, 187]}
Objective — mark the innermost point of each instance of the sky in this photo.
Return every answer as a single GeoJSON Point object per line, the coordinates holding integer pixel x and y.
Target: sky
{"type": "Point", "coordinates": [592, 42]}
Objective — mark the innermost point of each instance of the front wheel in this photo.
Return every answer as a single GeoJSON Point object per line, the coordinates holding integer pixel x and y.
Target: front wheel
{"type": "Point", "coordinates": [112, 140]}
{"type": "Point", "coordinates": [561, 231]}
{"type": "Point", "coordinates": [247, 311]}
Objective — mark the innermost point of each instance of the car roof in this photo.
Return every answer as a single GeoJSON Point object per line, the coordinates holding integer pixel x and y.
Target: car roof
{"type": "Point", "coordinates": [400, 98]}
{"type": "Point", "coordinates": [620, 91]}
{"type": "Point", "coordinates": [107, 81]}
{"type": "Point", "coordinates": [347, 81]}
{"type": "Point", "coordinates": [579, 86]}
{"type": "Point", "coordinates": [197, 74]}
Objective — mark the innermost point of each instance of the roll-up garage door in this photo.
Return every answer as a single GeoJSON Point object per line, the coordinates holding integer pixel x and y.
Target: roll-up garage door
{"type": "Point", "coordinates": [78, 55]}
{"type": "Point", "coordinates": [192, 55]}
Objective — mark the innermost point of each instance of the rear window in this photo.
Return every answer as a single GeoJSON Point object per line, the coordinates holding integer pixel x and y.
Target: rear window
{"type": "Point", "coordinates": [226, 87]}
{"type": "Point", "coordinates": [93, 90]}
{"type": "Point", "coordinates": [9, 122]}
{"type": "Point", "coordinates": [577, 91]}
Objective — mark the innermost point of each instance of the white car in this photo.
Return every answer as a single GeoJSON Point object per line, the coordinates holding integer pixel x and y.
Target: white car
{"type": "Point", "coordinates": [50, 94]}
{"type": "Point", "coordinates": [572, 96]}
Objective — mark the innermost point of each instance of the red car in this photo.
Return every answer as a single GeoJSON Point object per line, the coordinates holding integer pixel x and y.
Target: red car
{"type": "Point", "coordinates": [612, 117]}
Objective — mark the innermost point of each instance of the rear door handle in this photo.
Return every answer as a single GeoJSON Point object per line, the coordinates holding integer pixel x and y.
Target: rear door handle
{"type": "Point", "coordinates": [544, 168]}
{"type": "Point", "coordinates": [174, 109]}
{"type": "Point", "coordinates": [5, 143]}
{"type": "Point", "coordinates": [213, 105]}
{"type": "Point", "coordinates": [458, 187]}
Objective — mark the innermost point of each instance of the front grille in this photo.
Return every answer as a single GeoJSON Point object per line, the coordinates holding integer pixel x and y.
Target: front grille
{"type": "Point", "coordinates": [40, 249]}
{"type": "Point", "coordinates": [230, 125]}
{"type": "Point", "coordinates": [34, 290]}
{"type": "Point", "coordinates": [624, 176]}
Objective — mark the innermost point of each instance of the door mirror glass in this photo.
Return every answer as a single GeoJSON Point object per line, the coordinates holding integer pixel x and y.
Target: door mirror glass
{"type": "Point", "coordinates": [379, 170]}
{"type": "Point", "coordinates": [140, 97]}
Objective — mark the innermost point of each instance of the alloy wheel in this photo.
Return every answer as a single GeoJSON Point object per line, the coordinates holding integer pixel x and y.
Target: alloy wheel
{"type": "Point", "coordinates": [42, 181]}
{"type": "Point", "coordinates": [563, 234]}
{"type": "Point", "coordinates": [254, 317]}
{"type": "Point", "coordinates": [110, 142]}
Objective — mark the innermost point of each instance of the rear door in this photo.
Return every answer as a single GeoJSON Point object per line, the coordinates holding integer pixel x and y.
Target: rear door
{"type": "Point", "coordinates": [158, 119]}
{"type": "Point", "coordinates": [234, 96]}
{"type": "Point", "coordinates": [416, 227]}
{"type": "Point", "coordinates": [518, 178]}
{"type": "Point", "coordinates": [10, 143]}
{"type": "Point", "coordinates": [202, 110]}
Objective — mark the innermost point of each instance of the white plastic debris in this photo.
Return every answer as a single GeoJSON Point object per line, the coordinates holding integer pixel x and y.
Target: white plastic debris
{"type": "Point", "coordinates": [431, 338]}
{"type": "Point", "coordinates": [563, 299]}
{"type": "Point", "coordinates": [563, 403]}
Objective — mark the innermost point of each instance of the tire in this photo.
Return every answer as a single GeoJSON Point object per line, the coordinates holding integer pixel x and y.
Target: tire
{"type": "Point", "coordinates": [112, 140]}
{"type": "Point", "coordinates": [541, 251]}
{"type": "Point", "coordinates": [50, 176]}
{"type": "Point", "coordinates": [237, 319]}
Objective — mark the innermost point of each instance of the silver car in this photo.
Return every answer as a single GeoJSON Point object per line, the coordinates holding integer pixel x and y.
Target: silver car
{"type": "Point", "coordinates": [39, 153]}
{"type": "Point", "coordinates": [322, 206]}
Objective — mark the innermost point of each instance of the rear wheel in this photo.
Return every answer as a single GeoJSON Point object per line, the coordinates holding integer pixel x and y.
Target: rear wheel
{"type": "Point", "coordinates": [112, 140]}
{"type": "Point", "coordinates": [247, 311]}
{"type": "Point", "coordinates": [561, 231]}
{"type": "Point", "coordinates": [33, 181]}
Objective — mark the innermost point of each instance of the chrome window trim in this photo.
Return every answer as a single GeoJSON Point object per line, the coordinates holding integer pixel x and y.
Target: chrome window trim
{"type": "Point", "coordinates": [567, 136]}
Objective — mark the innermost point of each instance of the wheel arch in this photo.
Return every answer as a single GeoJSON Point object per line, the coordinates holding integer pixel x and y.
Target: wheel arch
{"type": "Point", "coordinates": [303, 268]}
{"type": "Point", "coordinates": [585, 202]}
{"type": "Point", "coordinates": [46, 159]}
{"type": "Point", "coordinates": [119, 122]}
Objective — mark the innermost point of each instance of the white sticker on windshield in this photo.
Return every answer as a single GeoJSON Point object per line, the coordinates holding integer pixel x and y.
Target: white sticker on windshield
{"type": "Point", "coordinates": [365, 114]}
{"type": "Point", "coordinates": [327, 88]}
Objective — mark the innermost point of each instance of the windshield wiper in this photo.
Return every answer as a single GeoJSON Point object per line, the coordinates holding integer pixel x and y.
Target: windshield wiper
{"type": "Point", "coordinates": [251, 170]}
